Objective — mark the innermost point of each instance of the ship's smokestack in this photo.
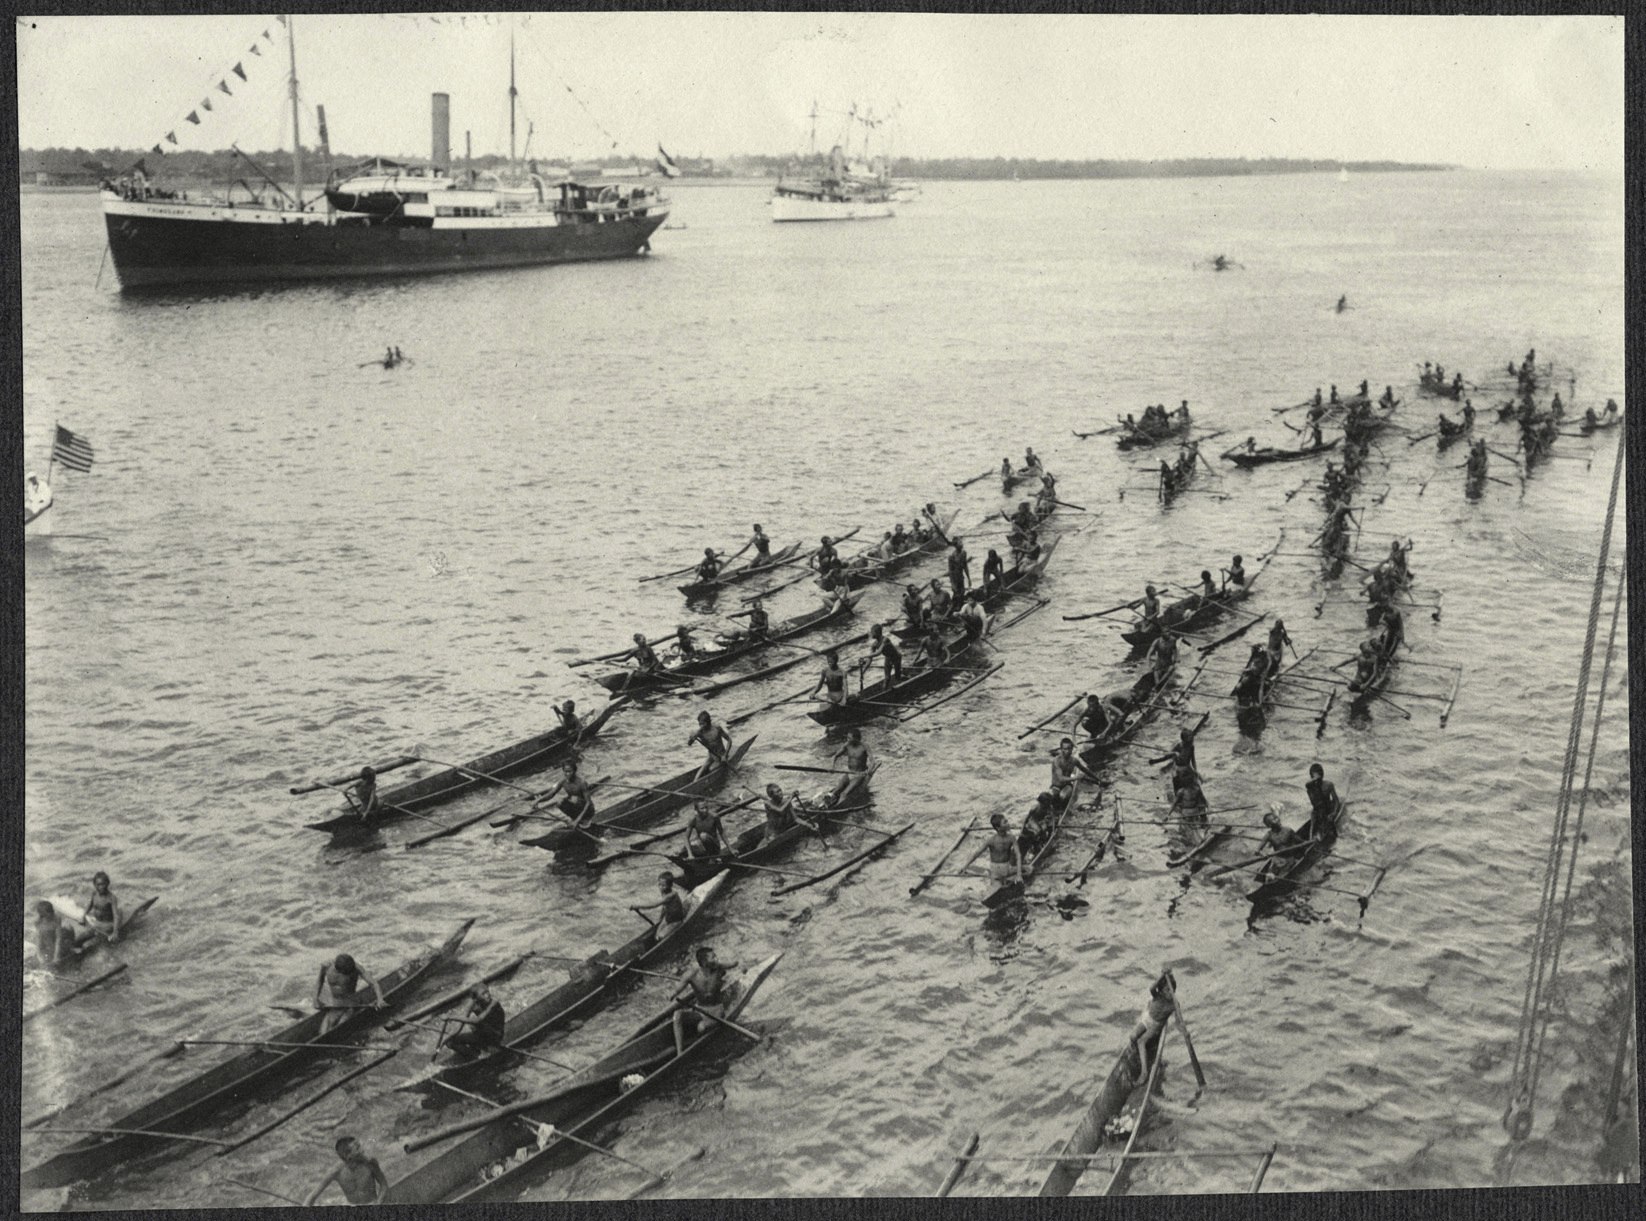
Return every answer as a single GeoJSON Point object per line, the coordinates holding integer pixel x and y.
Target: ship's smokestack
{"type": "Point", "coordinates": [442, 130]}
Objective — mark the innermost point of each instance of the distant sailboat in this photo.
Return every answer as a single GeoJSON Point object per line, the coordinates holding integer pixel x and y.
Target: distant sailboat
{"type": "Point", "coordinates": [1343, 173]}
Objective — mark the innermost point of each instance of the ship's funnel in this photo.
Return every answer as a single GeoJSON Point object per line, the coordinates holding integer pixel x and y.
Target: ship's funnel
{"type": "Point", "coordinates": [442, 130]}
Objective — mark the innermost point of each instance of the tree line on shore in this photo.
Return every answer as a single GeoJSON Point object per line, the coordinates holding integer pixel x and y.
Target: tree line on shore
{"type": "Point", "coordinates": [225, 166]}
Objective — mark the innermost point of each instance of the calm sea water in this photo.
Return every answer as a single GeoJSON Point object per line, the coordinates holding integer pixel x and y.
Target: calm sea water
{"type": "Point", "coordinates": [298, 564]}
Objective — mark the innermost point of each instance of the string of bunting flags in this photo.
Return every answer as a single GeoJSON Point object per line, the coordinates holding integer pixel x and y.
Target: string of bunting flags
{"type": "Point", "coordinates": [222, 86]}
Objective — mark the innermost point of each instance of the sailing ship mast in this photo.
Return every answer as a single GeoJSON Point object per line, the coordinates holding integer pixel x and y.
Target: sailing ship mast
{"type": "Point", "coordinates": [296, 131]}
{"type": "Point", "coordinates": [513, 93]}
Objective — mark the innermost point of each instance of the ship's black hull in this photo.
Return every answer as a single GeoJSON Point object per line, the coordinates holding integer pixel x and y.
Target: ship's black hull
{"type": "Point", "coordinates": [151, 250]}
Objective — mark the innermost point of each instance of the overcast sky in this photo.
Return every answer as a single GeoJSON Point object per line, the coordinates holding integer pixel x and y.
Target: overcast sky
{"type": "Point", "coordinates": [1496, 92]}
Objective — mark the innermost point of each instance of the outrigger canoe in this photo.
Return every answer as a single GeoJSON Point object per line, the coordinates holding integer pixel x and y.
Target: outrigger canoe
{"type": "Point", "coordinates": [1041, 852]}
{"type": "Point", "coordinates": [503, 1155]}
{"type": "Point", "coordinates": [731, 576]}
{"type": "Point", "coordinates": [646, 806]}
{"type": "Point", "coordinates": [754, 847]}
{"type": "Point", "coordinates": [882, 697]}
{"type": "Point", "coordinates": [1137, 438]}
{"type": "Point", "coordinates": [590, 986]}
{"type": "Point", "coordinates": [1283, 872]}
{"type": "Point", "coordinates": [629, 682]}
{"type": "Point", "coordinates": [865, 568]}
{"type": "Point", "coordinates": [234, 1082]}
{"type": "Point", "coordinates": [1135, 1068]}
{"type": "Point", "coordinates": [1188, 613]}
{"type": "Point", "coordinates": [532, 754]}
{"type": "Point", "coordinates": [1246, 459]}
{"type": "Point", "coordinates": [1020, 578]}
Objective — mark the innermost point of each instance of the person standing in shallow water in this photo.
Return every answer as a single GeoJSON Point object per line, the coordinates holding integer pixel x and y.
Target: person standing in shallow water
{"type": "Point", "coordinates": [360, 1177]}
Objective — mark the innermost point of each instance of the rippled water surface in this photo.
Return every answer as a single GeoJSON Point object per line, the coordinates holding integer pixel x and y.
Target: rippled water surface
{"type": "Point", "coordinates": [287, 565]}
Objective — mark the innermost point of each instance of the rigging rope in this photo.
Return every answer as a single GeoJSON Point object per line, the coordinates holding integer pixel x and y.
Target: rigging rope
{"type": "Point", "coordinates": [1552, 918]}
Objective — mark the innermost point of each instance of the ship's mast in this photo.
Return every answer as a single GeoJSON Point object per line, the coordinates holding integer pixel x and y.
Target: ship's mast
{"type": "Point", "coordinates": [513, 92]}
{"type": "Point", "coordinates": [296, 131]}
{"type": "Point", "coordinates": [813, 150]}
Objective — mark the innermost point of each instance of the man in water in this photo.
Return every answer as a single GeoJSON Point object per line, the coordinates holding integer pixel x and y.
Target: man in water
{"type": "Point", "coordinates": [56, 937]}
{"type": "Point", "coordinates": [335, 988]}
{"type": "Point", "coordinates": [713, 738]}
{"type": "Point", "coordinates": [360, 1177]}
{"type": "Point", "coordinates": [483, 1025]}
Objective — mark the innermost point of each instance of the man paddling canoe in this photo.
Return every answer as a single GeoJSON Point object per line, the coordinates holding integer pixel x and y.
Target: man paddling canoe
{"type": "Point", "coordinates": [713, 738]}
{"type": "Point", "coordinates": [881, 646]}
{"type": "Point", "coordinates": [994, 571]}
{"type": "Point", "coordinates": [645, 660]}
{"type": "Point", "coordinates": [856, 757]}
{"type": "Point", "coordinates": [339, 981]}
{"type": "Point", "coordinates": [1098, 716]}
{"type": "Point", "coordinates": [1181, 755]}
{"type": "Point", "coordinates": [761, 544]}
{"type": "Point", "coordinates": [670, 907]}
{"type": "Point", "coordinates": [708, 568]}
{"type": "Point", "coordinates": [1278, 838]}
{"type": "Point", "coordinates": [832, 682]}
{"type": "Point", "coordinates": [483, 1024]}
{"type": "Point", "coordinates": [1066, 770]}
{"type": "Point", "coordinates": [705, 836]}
{"type": "Point", "coordinates": [362, 795]}
{"type": "Point", "coordinates": [360, 1177]}
{"type": "Point", "coordinates": [578, 805]}
{"type": "Point", "coordinates": [702, 988]}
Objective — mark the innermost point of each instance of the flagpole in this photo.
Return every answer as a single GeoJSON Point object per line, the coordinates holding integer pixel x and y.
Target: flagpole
{"type": "Point", "coordinates": [52, 461]}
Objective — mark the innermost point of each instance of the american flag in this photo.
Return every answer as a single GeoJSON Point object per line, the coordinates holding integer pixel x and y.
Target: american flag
{"type": "Point", "coordinates": [72, 451]}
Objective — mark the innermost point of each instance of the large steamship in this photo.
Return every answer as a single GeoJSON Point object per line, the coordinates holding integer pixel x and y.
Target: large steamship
{"type": "Point", "coordinates": [378, 219]}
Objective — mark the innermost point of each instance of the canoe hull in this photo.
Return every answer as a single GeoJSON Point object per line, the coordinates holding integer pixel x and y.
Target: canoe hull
{"type": "Point", "coordinates": [234, 1081]}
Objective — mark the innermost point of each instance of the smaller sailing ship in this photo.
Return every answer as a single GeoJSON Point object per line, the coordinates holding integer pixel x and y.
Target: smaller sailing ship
{"type": "Point", "coordinates": [839, 189]}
